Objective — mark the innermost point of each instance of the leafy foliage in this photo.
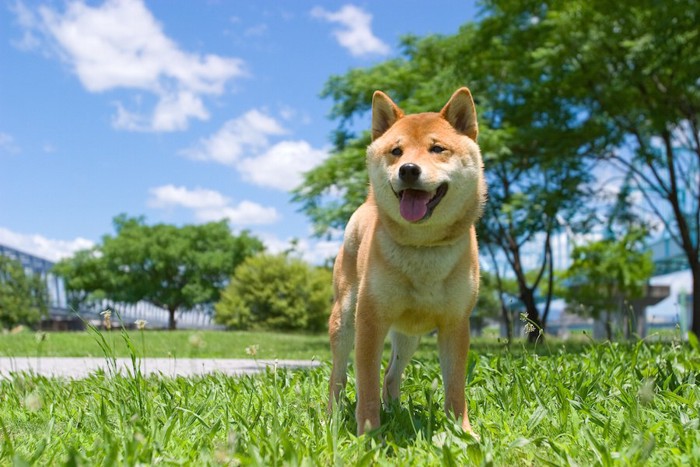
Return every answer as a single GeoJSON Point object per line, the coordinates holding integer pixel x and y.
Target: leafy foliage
{"type": "Point", "coordinates": [607, 275]}
{"type": "Point", "coordinates": [173, 267]}
{"type": "Point", "coordinates": [534, 168]}
{"type": "Point", "coordinates": [560, 86]}
{"type": "Point", "coordinates": [276, 292]}
{"type": "Point", "coordinates": [23, 297]}
{"type": "Point", "coordinates": [629, 73]}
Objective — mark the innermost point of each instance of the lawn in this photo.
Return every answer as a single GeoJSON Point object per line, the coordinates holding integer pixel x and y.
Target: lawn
{"type": "Point", "coordinates": [174, 344]}
{"type": "Point", "coordinates": [595, 404]}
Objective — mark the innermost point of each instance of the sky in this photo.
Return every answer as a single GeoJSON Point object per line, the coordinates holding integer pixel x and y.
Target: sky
{"type": "Point", "coordinates": [179, 111]}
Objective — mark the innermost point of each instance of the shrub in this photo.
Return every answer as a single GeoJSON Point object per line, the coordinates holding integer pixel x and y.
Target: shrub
{"type": "Point", "coordinates": [276, 292]}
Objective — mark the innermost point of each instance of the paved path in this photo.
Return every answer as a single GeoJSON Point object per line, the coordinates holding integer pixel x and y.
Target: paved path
{"type": "Point", "coordinates": [83, 367]}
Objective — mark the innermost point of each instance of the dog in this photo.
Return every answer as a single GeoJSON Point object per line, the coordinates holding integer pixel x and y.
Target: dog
{"type": "Point", "coordinates": [409, 260]}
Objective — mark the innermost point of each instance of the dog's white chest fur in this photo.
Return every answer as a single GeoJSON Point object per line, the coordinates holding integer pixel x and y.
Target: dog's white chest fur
{"type": "Point", "coordinates": [421, 284]}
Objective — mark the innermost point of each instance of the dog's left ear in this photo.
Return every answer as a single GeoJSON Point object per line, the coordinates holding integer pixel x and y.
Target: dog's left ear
{"type": "Point", "coordinates": [461, 114]}
{"type": "Point", "coordinates": [384, 114]}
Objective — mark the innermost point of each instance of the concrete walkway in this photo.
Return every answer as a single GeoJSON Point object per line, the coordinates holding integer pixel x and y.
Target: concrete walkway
{"type": "Point", "coordinates": [83, 367]}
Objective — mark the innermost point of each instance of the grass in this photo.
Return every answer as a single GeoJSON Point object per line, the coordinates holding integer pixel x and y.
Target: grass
{"type": "Point", "coordinates": [218, 344]}
{"type": "Point", "coordinates": [602, 404]}
{"type": "Point", "coordinates": [175, 344]}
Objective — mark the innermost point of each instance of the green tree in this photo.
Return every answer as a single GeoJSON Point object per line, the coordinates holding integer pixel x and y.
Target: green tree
{"type": "Point", "coordinates": [172, 267]}
{"type": "Point", "coordinates": [607, 275]}
{"type": "Point", "coordinates": [23, 297]}
{"type": "Point", "coordinates": [84, 276]}
{"type": "Point", "coordinates": [535, 163]}
{"type": "Point", "coordinates": [276, 292]}
{"type": "Point", "coordinates": [630, 68]}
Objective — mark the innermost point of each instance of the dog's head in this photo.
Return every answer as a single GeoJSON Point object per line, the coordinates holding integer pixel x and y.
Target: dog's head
{"type": "Point", "coordinates": [426, 169]}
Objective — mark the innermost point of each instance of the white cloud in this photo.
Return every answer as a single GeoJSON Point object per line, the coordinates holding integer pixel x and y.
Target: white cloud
{"type": "Point", "coordinates": [28, 22]}
{"type": "Point", "coordinates": [282, 165]}
{"type": "Point", "coordinates": [243, 213]}
{"type": "Point", "coordinates": [249, 132]}
{"type": "Point", "coordinates": [7, 144]}
{"type": "Point", "coordinates": [312, 251]}
{"type": "Point", "coordinates": [210, 205]}
{"type": "Point", "coordinates": [170, 195]}
{"type": "Point", "coordinates": [38, 245]}
{"type": "Point", "coordinates": [319, 251]}
{"type": "Point", "coordinates": [244, 143]}
{"type": "Point", "coordinates": [355, 33]}
{"type": "Point", "coordinates": [119, 44]}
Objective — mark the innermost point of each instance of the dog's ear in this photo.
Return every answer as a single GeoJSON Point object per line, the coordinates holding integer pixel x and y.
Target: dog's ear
{"type": "Point", "coordinates": [384, 114]}
{"type": "Point", "coordinates": [461, 114]}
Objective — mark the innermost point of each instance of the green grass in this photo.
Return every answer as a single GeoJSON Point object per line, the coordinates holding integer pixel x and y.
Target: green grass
{"type": "Point", "coordinates": [601, 404]}
{"type": "Point", "coordinates": [221, 344]}
{"type": "Point", "coordinates": [175, 344]}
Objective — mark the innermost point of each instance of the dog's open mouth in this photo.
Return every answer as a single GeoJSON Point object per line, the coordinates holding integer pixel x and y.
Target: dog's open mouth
{"type": "Point", "coordinates": [418, 205]}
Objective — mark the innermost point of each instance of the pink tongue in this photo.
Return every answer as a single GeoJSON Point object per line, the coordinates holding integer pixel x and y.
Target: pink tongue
{"type": "Point", "coordinates": [414, 205]}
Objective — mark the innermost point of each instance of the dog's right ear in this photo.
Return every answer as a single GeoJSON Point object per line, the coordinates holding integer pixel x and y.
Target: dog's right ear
{"type": "Point", "coordinates": [384, 114]}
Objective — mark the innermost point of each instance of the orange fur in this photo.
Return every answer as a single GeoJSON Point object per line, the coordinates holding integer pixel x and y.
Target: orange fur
{"type": "Point", "coordinates": [409, 277]}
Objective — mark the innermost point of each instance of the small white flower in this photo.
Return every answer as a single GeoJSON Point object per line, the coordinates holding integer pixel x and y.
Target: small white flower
{"type": "Point", "coordinates": [140, 324]}
{"type": "Point", "coordinates": [107, 318]}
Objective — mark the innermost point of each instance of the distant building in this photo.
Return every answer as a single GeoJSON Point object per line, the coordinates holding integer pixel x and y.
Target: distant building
{"type": "Point", "coordinates": [671, 269]}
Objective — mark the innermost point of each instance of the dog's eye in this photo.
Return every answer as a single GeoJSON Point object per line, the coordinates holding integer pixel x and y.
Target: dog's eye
{"type": "Point", "coordinates": [396, 152]}
{"type": "Point", "coordinates": [436, 149]}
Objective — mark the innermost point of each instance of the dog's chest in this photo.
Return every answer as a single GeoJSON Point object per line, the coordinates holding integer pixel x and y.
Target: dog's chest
{"type": "Point", "coordinates": [423, 281]}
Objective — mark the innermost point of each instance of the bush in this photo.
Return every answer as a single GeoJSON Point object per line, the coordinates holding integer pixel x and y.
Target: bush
{"type": "Point", "coordinates": [276, 292]}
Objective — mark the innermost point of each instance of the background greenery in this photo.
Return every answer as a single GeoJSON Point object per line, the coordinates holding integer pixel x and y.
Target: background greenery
{"type": "Point", "coordinates": [23, 298]}
{"type": "Point", "coordinates": [175, 268]}
{"type": "Point", "coordinates": [280, 292]}
{"type": "Point", "coordinates": [580, 105]}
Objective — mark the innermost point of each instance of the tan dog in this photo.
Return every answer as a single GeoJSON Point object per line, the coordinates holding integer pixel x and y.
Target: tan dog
{"type": "Point", "coordinates": [409, 262]}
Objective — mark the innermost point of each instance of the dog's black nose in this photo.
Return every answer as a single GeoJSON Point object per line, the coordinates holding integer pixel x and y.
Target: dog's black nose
{"type": "Point", "coordinates": [409, 173]}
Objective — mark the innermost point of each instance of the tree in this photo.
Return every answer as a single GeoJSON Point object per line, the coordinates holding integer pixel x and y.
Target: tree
{"type": "Point", "coordinates": [84, 276]}
{"type": "Point", "coordinates": [632, 68]}
{"type": "Point", "coordinates": [535, 161]}
{"type": "Point", "coordinates": [276, 292]}
{"type": "Point", "coordinates": [172, 267]}
{"type": "Point", "coordinates": [607, 275]}
{"type": "Point", "coordinates": [23, 297]}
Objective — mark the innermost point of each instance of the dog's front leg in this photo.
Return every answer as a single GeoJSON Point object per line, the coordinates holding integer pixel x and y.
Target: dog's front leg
{"type": "Point", "coordinates": [453, 347]}
{"type": "Point", "coordinates": [370, 333]}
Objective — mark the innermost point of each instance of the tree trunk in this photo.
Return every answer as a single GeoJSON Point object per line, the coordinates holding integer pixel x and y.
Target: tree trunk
{"type": "Point", "coordinates": [528, 298]}
{"type": "Point", "coordinates": [507, 321]}
{"type": "Point", "coordinates": [695, 315]}
{"type": "Point", "coordinates": [172, 324]}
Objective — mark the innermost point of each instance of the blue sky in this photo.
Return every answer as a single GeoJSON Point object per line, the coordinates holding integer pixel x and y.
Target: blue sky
{"type": "Point", "coordinates": [183, 112]}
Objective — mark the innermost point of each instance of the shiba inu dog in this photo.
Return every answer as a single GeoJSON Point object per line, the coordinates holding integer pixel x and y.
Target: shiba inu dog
{"type": "Point", "coordinates": [409, 261]}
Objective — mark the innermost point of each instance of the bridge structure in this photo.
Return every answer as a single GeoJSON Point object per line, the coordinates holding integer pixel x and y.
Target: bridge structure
{"type": "Point", "coordinates": [62, 316]}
